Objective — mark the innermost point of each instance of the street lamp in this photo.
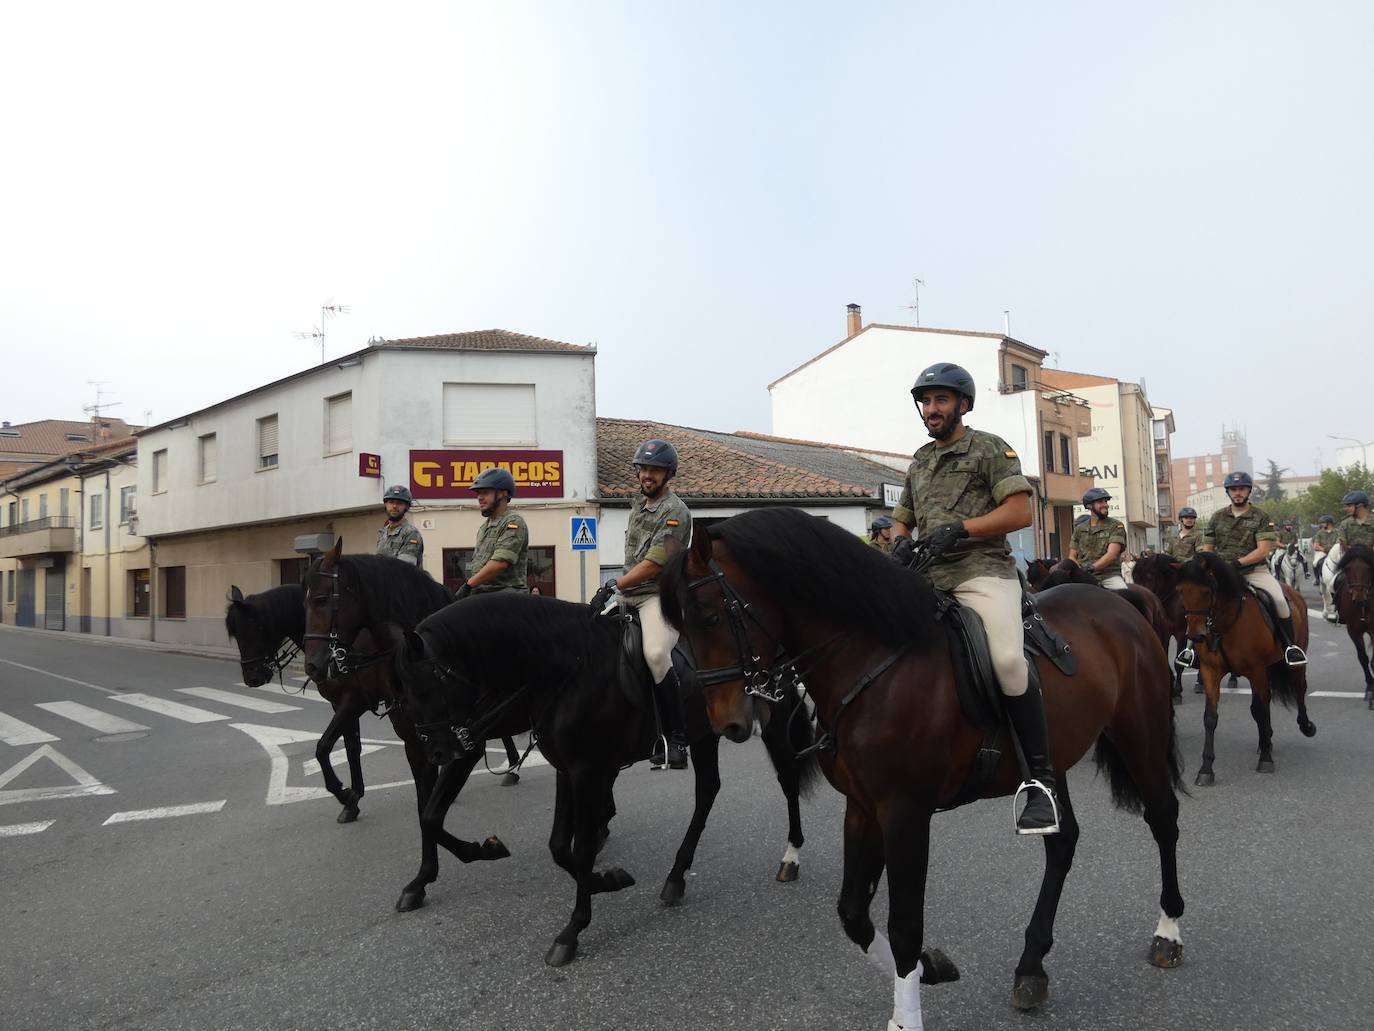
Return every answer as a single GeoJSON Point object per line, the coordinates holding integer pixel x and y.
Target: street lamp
{"type": "Point", "coordinates": [1364, 453]}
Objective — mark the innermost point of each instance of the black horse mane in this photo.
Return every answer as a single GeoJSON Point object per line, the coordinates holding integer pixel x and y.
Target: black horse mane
{"type": "Point", "coordinates": [1159, 569]}
{"type": "Point", "coordinates": [393, 591]}
{"type": "Point", "coordinates": [1357, 553]}
{"type": "Point", "coordinates": [1067, 571]}
{"type": "Point", "coordinates": [278, 609]}
{"type": "Point", "coordinates": [817, 564]}
{"type": "Point", "coordinates": [1209, 569]}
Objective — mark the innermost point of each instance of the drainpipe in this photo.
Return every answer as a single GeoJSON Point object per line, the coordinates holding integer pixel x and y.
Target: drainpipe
{"type": "Point", "coordinates": [107, 551]}
{"type": "Point", "coordinates": [152, 589]}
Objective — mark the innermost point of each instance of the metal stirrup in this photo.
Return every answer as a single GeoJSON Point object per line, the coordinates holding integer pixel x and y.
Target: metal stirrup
{"type": "Point", "coordinates": [1054, 807]}
{"type": "Point", "coordinates": [1288, 660]}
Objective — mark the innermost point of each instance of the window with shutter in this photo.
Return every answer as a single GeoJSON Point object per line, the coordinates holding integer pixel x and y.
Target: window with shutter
{"type": "Point", "coordinates": [159, 471]}
{"type": "Point", "coordinates": [490, 414]}
{"type": "Point", "coordinates": [209, 458]}
{"type": "Point", "coordinates": [338, 424]}
{"type": "Point", "coordinates": [267, 442]}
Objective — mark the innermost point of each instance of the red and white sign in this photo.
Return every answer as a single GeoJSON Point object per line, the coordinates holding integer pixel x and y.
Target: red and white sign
{"type": "Point", "coordinates": [449, 474]}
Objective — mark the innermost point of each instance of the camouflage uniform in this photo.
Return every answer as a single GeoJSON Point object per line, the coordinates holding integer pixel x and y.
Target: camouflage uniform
{"type": "Point", "coordinates": [1324, 539]}
{"type": "Point", "coordinates": [884, 546]}
{"type": "Point", "coordinates": [1185, 545]}
{"type": "Point", "coordinates": [1235, 536]}
{"type": "Point", "coordinates": [401, 540]}
{"type": "Point", "coordinates": [651, 525]}
{"type": "Point", "coordinates": [959, 481]}
{"type": "Point", "coordinates": [1090, 543]}
{"type": "Point", "coordinates": [1352, 532]}
{"type": "Point", "coordinates": [505, 538]}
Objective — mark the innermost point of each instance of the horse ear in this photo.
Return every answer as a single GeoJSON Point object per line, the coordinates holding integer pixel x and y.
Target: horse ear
{"type": "Point", "coordinates": [235, 595]}
{"type": "Point", "coordinates": [414, 646]}
{"type": "Point", "coordinates": [331, 557]}
{"type": "Point", "coordinates": [701, 547]}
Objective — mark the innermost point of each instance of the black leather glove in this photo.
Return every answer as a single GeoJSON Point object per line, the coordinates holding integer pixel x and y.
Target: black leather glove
{"type": "Point", "coordinates": [601, 597]}
{"type": "Point", "coordinates": [943, 538]}
{"type": "Point", "coordinates": [903, 551]}
{"type": "Point", "coordinates": [462, 592]}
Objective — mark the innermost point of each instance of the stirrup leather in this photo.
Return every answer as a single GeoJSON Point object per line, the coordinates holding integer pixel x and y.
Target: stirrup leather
{"type": "Point", "coordinates": [1036, 785]}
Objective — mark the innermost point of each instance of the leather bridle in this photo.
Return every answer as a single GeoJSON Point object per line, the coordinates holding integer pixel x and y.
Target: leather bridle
{"type": "Point", "coordinates": [342, 659]}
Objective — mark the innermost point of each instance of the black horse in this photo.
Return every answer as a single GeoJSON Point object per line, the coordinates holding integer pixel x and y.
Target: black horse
{"type": "Point", "coordinates": [551, 666]}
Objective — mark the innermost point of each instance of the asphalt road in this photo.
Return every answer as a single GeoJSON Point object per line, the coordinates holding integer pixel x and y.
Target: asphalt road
{"type": "Point", "coordinates": [254, 909]}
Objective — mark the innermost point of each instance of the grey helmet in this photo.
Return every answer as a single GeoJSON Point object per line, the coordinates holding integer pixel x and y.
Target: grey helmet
{"type": "Point", "coordinates": [1327, 519]}
{"type": "Point", "coordinates": [1356, 497]}
{"type": "Point", "coordinates": [1187, 512]}
{"type": "Point", "coordinates": [945, 374]}
{"type": "Point", "coordinates": [658, 454]}
{"type": "Point", "coordinates": [1239, 478]}
{"type": "Point", "coordinates": [1095, 494]}
{"type": "Point", "coordinates": [398, 492]}
{"type": "Point", "coordinates": [1080, 520]}
{"type": "Point", "coordinates": [880, 523]}
{"type": "Point", "coordinates": [495, 478]}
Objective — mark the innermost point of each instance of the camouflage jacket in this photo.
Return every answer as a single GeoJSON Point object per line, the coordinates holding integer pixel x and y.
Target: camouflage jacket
{"type": "Point", "coordinates": [1287, 537]}
{"type": "Point", "coordinates": [401, 541]}
{"type": "Point", "coordinates": [505, 538]}
{"type": "Point", "coordinates": [1183, 548]}
{"type": "Point", "coordinates": [1353, 532]}
{"type": "Point", "coordinates": [648, 532]}
{"type": "Point", "coordinates": [884, 546]}
{"type": "Point", "coordinates": [1091, 543]}
{"type": "Point", "coordinates": [1325, 540]}
{"type": "Point", "coordinates": [1235, 536]}
{"type": "Point", "coordinates": [959, 481]}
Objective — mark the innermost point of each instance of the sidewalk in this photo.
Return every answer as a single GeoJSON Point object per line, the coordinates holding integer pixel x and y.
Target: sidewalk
{"type": "Point", "coordinates": [228, 653]}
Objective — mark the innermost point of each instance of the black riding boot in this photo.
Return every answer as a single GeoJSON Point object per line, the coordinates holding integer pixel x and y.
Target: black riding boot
{"type": "Point", "coordinates": [1292, 654]}
{"type": "Point", "coordinates": [669, 705]}
{"type": "Point", "coordinates": [1027, 712]}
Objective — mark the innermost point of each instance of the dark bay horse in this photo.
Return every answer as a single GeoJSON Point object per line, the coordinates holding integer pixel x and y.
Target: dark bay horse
{"type": "Point", "coordinates": [1228, 632]}
{"type": "Point", "coordinates": [876, 660]}
{"type": "Point", "coordinates": [1355, 606]}
{"type": "Point", "coordinates": [519, 660]}
{"type": "Point", "coordinates": [352, 604]}
{"type": "Point", "coordinates": [1146, 602]}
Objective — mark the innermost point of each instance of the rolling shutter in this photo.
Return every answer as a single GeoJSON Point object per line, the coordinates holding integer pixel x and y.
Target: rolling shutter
{"type": "Point", "coordinates": [267, 442]}
{"type": "Point", "coordinates": [490, 414]}
{"type": "Point", "coordinates": [338, 424]}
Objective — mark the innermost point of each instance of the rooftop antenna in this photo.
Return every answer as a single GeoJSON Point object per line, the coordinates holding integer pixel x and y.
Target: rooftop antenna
{"type": "Point", "coordinates": [95, 411]}
{"type": "Point", "coordinates": [916, 284]}
{"type": "Point", "coordinates": [327, 310]}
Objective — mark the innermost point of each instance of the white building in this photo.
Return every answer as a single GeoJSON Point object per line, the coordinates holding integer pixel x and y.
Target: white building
{"type": "Point", "coordinates": [223, 492]}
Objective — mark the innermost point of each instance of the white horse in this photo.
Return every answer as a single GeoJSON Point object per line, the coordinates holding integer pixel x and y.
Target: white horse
{"type": "Point", "coordinates": [1286, 562]}
{"type": "Point", "coordinates": [1326, 582]}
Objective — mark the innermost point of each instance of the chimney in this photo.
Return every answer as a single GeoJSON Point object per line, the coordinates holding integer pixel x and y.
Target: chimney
{"type": "Point", "coordinates": [854, 319]}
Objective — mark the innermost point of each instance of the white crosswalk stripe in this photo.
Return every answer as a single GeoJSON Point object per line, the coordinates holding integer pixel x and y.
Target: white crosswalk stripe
{"type": "Point", "coordinates": [17, 732]}
{"type": "Point", "coordinates": [308, 695]}
{"type": "Point", "coordinates": [166, 707]}
{"type": "Point", "coordinates": [93, 718]}
{"type": "Point", "coordinates": [214, 694]}
{"type": "Point", "coordinates": [15, 830]}
{"type": "Point", "coordinates": [165, 812]}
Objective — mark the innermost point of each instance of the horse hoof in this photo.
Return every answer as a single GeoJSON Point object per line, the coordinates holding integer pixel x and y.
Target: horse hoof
{"type": "Point", "coordinates": [410, 901]}
{"type": "Point", "coordinates": [1205, 780]}
{"type": "Point", "coordinates": [616, 879]}
{"type": "Point", "coordinates": [560, 955]}
{"type": "Point", "coordinates": [672, 892]}
{"type": "Point", "coordinates": [937, 968]}
{"type": "Point", "coordinates": [494, 848]}
{"type": "Point", "coordinates": [789, 872]}
{"type": "Point", "coordinates": [1309, 729]}
{"type": "Point", "coordinates": [1264, 766]}
{"type": "Point", "coordinates": [1165, 953]}
{"type": "Point", "coordinates": [1030, 991]}
{"type": "Point", "coordinates": [510, 780]}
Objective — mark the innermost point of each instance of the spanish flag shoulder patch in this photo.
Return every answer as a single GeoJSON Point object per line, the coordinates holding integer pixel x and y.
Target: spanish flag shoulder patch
{"type": "Point", "coordinates": [672, 522]}
{"type": "Point", "coordinates": [512, 526]}
{"type": "Point", "coordinates": [1009, 453]}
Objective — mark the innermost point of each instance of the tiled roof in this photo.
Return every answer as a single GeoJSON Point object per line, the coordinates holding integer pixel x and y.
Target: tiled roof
{"type": "Point", "coordinates": [49, 436]}
{"type": "Point", "coordinates": [487, 340]}
{"type": "Point", "coordinates": [57, 467]}
{"type": "Point", "coordinates": [731, 465]}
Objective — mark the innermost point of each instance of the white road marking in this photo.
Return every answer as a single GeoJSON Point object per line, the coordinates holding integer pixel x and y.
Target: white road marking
{"type": "Point", "coordinates": [278, 791]}
{"type": "Point", "coordinates": [339, 758]}
{"type": "Point", "coordinates": [17, 732]}
{"type": "Point", "coordinates": [1335, 694]}
{"type": "Point", "coordinates": [214, 694]}
{"type": "Point", "coordinates": [296, 696]}
{"type": "Point", "coordinates": [93, 718]}
{"type": "Point", "coordinates": [165, 812]}
{"type": "Point", "coordinates": [58, 676]}
{"type": "Point", "coordinates": [15, 830]}
{"type": "Point", "coordinates": [166, 707]}
{"type": "Point", "coordinates": [83, 783]}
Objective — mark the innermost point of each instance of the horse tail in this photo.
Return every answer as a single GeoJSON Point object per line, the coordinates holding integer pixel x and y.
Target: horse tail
{"type": "Point", "coordinates": [1283, 685]}
{"type": "Point", "coordinates": [1125, 791]}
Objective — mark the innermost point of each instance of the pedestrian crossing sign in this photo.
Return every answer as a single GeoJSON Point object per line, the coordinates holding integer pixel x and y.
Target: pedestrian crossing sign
{"type": "Point", "coordinates": [583, 533]}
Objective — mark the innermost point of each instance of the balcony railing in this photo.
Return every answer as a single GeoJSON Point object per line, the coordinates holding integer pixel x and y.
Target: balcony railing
{"type": "Point", "coordinates": [46, 523]}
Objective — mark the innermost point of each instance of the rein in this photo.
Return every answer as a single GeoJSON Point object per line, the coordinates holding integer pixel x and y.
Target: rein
{"type": "Point", "coordinates": [277, 661]}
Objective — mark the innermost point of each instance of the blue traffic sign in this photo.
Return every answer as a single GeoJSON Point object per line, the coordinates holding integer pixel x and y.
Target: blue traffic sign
{"type": "Point", "coordinates": [583, 533]}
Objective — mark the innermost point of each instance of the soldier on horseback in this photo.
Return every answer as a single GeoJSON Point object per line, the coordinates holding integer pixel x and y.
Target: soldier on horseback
{"type": "Point", "coordinates": [1322, 542]}
{"type": "Point", "coordinates": [1097, 545]}
{"type": "Point", "coordinates": [880, 534]}
{"type": "Point", "coordinates": [1356, 527]}
{"type": "Point", "coordinates": [656, 516]}
{"type": "Point", "coordinates": [398, 537]}
{"type": "Point", "coordinates": [964, 493]}
{"type": "Point", "coordinates": [500, 561]}
{"type": "Point", "coordinates": [1184, 545]}
{"type": "Point", "coordinates": [1244, 536]}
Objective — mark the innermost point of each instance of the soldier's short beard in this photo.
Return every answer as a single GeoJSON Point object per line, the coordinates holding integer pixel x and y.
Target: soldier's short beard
{"type": "Point", "coordinates": [951, 424]}
{"type": "Point", "coordinates": [655, 492]}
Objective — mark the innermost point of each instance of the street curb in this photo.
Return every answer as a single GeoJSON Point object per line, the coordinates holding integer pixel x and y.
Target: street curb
{"type": "Point", "coordinates": [198, 651]}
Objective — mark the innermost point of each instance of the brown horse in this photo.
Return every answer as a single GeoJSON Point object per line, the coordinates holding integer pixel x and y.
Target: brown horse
{"type": "Point", "coordinates": [1355, 606]}
{"type": "Point", "coordinates": [1146, 602]}
{"type": "Point", "coordinates": [1228, 632]}
{"type": "Point", "coordinates": [866, 638]}
{"type": "Point", "coordinates": [1158, 574]}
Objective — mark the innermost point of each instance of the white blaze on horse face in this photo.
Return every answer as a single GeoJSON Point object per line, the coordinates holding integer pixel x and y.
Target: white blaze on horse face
{"type": "Point", "coordinates": [1168, 929]}
{"type": "Point", "coordinates": [792, 855]}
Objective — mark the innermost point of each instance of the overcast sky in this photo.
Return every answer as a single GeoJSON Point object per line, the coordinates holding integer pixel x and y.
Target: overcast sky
{"type": "Point", "coordinates": [1174, 192]}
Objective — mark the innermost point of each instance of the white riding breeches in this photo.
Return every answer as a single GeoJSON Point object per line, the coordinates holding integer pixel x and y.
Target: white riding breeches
{"type": "Point", "coordinates": [659, 637]}
{"type": "Point", "coordinates": [1261, 579]}
{"type": "Point", "coordinates": [1115, 583]}
{"type": "Point", "coordinates": [998, 603]}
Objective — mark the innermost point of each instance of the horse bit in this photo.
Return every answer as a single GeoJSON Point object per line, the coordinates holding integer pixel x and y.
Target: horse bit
{"type": "Point", "coordinates": [342, 661]}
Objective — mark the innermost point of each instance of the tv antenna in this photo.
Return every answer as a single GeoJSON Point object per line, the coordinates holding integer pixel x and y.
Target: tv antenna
{"type": "Point", "coordinates": [327, 311]}
{"type": "Point", "coordinates": [916, 285]}
{"type": "Point", "coordinates": [96, 411]}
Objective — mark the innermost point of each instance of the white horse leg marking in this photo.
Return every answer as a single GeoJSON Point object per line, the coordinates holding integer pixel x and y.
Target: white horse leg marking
{"type": "Point", "coordinates": [792, 855]}
{"type": "Point", "coordinates": [1168, 929]}
{"type": "Point", "coordinates": [906, 1002]}
{"type": "Point", "coordinates": [880, 955]}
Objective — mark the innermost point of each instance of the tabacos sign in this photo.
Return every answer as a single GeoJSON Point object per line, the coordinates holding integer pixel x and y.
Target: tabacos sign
{"type": "Point", "coordinates": [449, 474]}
